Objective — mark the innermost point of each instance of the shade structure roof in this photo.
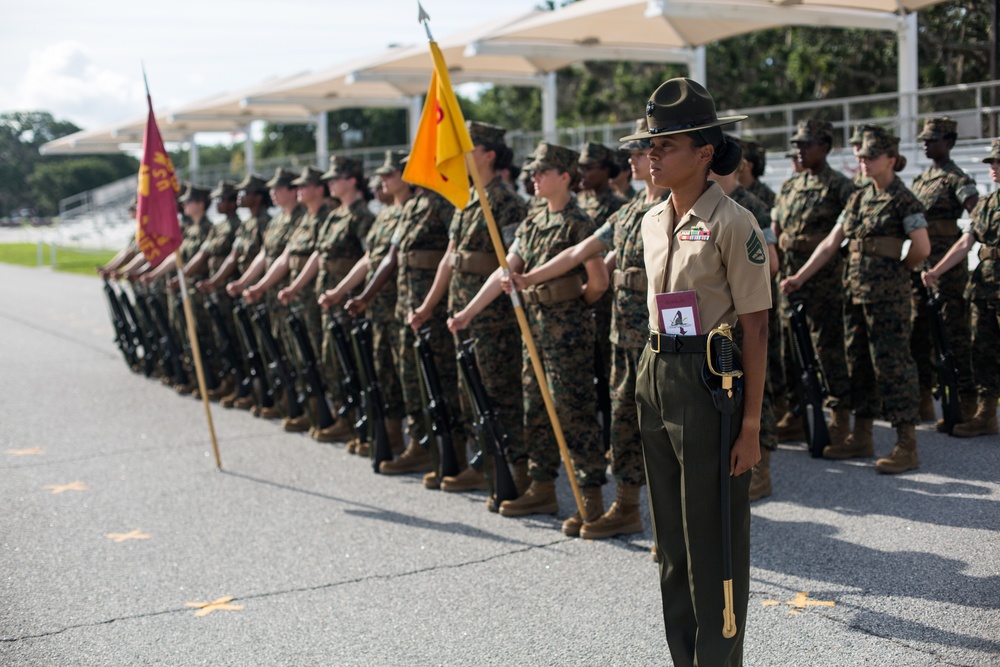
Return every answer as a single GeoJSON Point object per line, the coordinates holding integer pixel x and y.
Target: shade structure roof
{"type": "Point", "coordinates": [593, 29]}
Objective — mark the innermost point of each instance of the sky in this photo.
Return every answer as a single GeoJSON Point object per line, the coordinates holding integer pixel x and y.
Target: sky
{"type": "Point", "coordinates": [82, 61]}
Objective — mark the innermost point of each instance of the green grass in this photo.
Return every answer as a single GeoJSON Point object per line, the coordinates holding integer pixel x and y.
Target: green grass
{"type": "Point", "coordinates": [67, 259]}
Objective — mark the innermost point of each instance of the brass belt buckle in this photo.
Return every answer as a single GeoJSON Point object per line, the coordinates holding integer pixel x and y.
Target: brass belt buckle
{"type": "Point", "coordinates": [654, 336]}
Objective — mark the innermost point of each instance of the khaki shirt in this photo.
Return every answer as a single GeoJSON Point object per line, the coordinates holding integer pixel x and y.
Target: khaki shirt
{"type": "Point", "coordinates": [728, 269]}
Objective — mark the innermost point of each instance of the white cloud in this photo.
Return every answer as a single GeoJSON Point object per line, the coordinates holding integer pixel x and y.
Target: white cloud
{"type": "Point", "coordinates": [63, 79]}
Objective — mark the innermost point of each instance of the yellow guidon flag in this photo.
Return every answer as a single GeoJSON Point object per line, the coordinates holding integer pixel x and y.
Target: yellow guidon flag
{"type": "Point", "coordinates": [437, 160]}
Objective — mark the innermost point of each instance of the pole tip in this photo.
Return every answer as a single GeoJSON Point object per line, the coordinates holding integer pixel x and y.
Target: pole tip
{"type": "Point", "coordinates": [422, 16]}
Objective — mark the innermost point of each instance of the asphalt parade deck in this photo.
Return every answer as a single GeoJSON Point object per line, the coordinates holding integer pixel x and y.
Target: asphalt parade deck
{"type": "Point", "coordinates": [117, 531]}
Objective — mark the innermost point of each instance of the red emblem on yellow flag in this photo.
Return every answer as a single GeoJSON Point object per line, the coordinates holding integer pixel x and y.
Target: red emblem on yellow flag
{"type": "Point", "coordinates": [159, 232]}
{"type": "Point", "coordinates": [437, 161]}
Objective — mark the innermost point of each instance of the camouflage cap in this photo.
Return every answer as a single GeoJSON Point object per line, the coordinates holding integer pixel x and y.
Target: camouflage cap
{"type": "Point", "coordinates": [681, 105]}
{"type": "Point", "coordinates": [309, 176]}
{"type": "Point", "coordinates": [792, 154]}
{"type": "Point", "coordinates": [812, 129]}
{"type": "Point", "coordinates": [224, 190]}
{"type": "Point", "coordinates": [484, 133]}
{"type": "Point", "coordinates": [252, 183]}
{"type": "Point", "coordinates": [878, 141]}
{"type": "Point", "coordinates": [195, 193]}
{"type": "Point", "coordinates": [551, 156]}
{"type": "Point", "coordinates": [595, 153]}
{"type": "Point", "coordinates": [637, 144]}
{"type": "Point", "coordinates": [938, 128]}
{"type": "Point", "coordinates": [994, 155]}
{"type": "Point", "coordinates": [859, 133]}
{"type": "Point", "coordinates": [525, 174]}
{"type": "Point", "coordinates": [344, 166]}
{"type": "Point", "coordinates": [282, 178]}
{"type": "Point", "coordinates": [375, 183]}
{"type": "Point", "coordinates": [393, 162]}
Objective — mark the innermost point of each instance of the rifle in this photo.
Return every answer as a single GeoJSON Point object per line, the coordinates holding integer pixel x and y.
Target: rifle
{"type": "Point", "coordinates": [489, 431]}
{"type": "Point", "coordinates": [153, 355]}
{"type": "Point", "coordinates": [602, 385]}
{"type": "Point", "coordinates": [137, 332]}
{"type": "Point", "coordinates": [256, 379]}
{"type": "Point", "coordinates": [811, 378]}
{"type": "Point", "coordinates": [171, 349]}
{"type": "Point", "coordinates": [123, 337]}
{"type": "Point", "coordinates": [351, 384]}
{"type": "Point", "coordinates": [947, 388]}
{"type": "Point", "coordinates": [435, 408]}
{"type": "Point", "coordinates": [226, 347]}
{"type": "Point", "coordinates": [374, 400]}
{"type": "Point", "coordinates": [315, 388]}
{"type": "Point", "coordinates": [281, 372]}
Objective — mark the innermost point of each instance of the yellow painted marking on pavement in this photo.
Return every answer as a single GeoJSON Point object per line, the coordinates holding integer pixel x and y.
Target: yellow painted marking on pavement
{"type": "Point", "coordinates": [72, 486]}
{"type": "Point", "coordinates": [222, 604]}
{"type": "Point", "coordinates": [31, 451]}
{"type": "Point", "coordinates": [801, 601]}
{"type": "Point", "coordinates": [770, 603]}
{"type": "Point", "coordinates": [134, 535]}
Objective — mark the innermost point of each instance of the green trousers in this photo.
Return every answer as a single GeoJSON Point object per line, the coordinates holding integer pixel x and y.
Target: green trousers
{"type": "Point", "coordinates": [680, 444]}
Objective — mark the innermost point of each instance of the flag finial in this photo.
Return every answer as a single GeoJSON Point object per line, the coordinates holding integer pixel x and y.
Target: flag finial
{"type": "Point", "coordinates": [424, 17]}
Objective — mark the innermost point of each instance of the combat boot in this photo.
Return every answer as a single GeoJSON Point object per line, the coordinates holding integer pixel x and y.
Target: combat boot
{"type": "Point", "coordinates": [469, 479]}
{"type": "Point", "coordinates": [224, 389]}
{"type": "Point", "coordinates": [904, 453]}
{"type": "Point", "coordinates": [760, 482]}
{"type": "Point", "coordinates": [622, 518]}
{"type": "Point", "coordinates": [394, 429]}
{"type": "Point", "coordinates": [362, 449]}
{"type": "Point", "coordinates": [272, 412]}
{"type": "Point", "coordinates": [984, 422]}
{"type": "Point", "coordinates": [243, 402]}
{"type": "Point", "coordinates": [927, 413]}
{"type": "Point", "coordinates": [840, 427]}
{"type": "Point", "coordinates": [414, 459]}
{"type": "Point", "coordinates": [339, 431]}
{"type": "Point", "coordinates": [858, 445]}
{"type": "Point", "coordinates": [791, 428]}
{"type": "Point", "coordinates": [966, 411]}
{"type": "Point", "coordinates": [540, 498]}
{"type": "Point", "coordinates": [519, 471]}
{"type": "Point", "coordinates": [432, 481]}
{"type": "Point", "coordinates": [593, 505]}
{"type": "Point", "coordinates": [295, 424]}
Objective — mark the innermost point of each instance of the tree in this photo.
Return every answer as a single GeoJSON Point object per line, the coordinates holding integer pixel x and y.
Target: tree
{"type": "Point", "coordinates": [22, 133]}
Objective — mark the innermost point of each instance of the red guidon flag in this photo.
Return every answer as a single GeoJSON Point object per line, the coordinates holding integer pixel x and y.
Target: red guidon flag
{"type": "Point", "coordinates": [159, 233]}
{"type": "Point", "coordinates": [437, 160]}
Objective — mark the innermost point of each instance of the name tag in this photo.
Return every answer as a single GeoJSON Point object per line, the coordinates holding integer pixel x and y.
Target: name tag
{"type": "Point", "coordinates": [695, 234]}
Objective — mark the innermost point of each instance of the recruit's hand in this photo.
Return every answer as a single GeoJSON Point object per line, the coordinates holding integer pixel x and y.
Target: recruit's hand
{"type": "Point", "coordinates": [929, 278]}
{"type": "Point", "coordinates": [287, 295]}
{"type": "Point", "coordinates": [458, 322]}
{"type": "Point", "coordinates": [355, 306]}
{"type": "Point", "coordinates": [745, 452]}
{"type": "Point", "coordinates": [417, 318]}
{"type": "Point", "coordinates": [252, 293]}
{"type": "Point", "coordinates": [234, 288]}
{"type": "Point", "coordinates": [330, 297]}
{"type": "Point", "coordinates": [173, 283]}
{"type": "Point", "coordinates": [205, 286]}
{"type": "Point", "coordinates": [791, 284]}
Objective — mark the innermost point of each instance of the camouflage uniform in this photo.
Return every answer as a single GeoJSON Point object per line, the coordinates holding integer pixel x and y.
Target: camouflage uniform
{"type": "Point", "coordinates": [806, 212]}
{"type": "Point", "coordinates": [339, 245]}
{"type": "Point", "coordinates": [495, 327]}
{"type": "Point", "coordinates": [423, 229]}
{"type": "Point", "coordinates": [984, 294]}
{"type": "Point", "coordinates": [249, 238]}
{"type": "Point", "coordinates": [878, 307]}
{"type": "Point", "coordinates": [194, 235]}
{"type": "Point", "coordinates": [768, 422]}
{"type": "Point", "coordinates": [302, 242]}
{"type": "Point", "coordinates": [381, 311]}
{"type": "Point", "coordinates": [943, 193]}
{"type": "Point", "coordinates": [760, 190]}
{"type": "Point", "coordinates": [564, 334]}
{"type": "Point", "coordinates": [623, 234]}
{"type": "Point", "coordinates": [279, 230]}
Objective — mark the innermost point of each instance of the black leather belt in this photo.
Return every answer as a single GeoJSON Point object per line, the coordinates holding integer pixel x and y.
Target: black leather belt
{"type": "Point", "coordinates": [671, 344]}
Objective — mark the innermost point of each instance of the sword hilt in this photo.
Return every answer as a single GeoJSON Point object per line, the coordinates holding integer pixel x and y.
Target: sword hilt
{"type": "Point", "coordinates": [726, 369]}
